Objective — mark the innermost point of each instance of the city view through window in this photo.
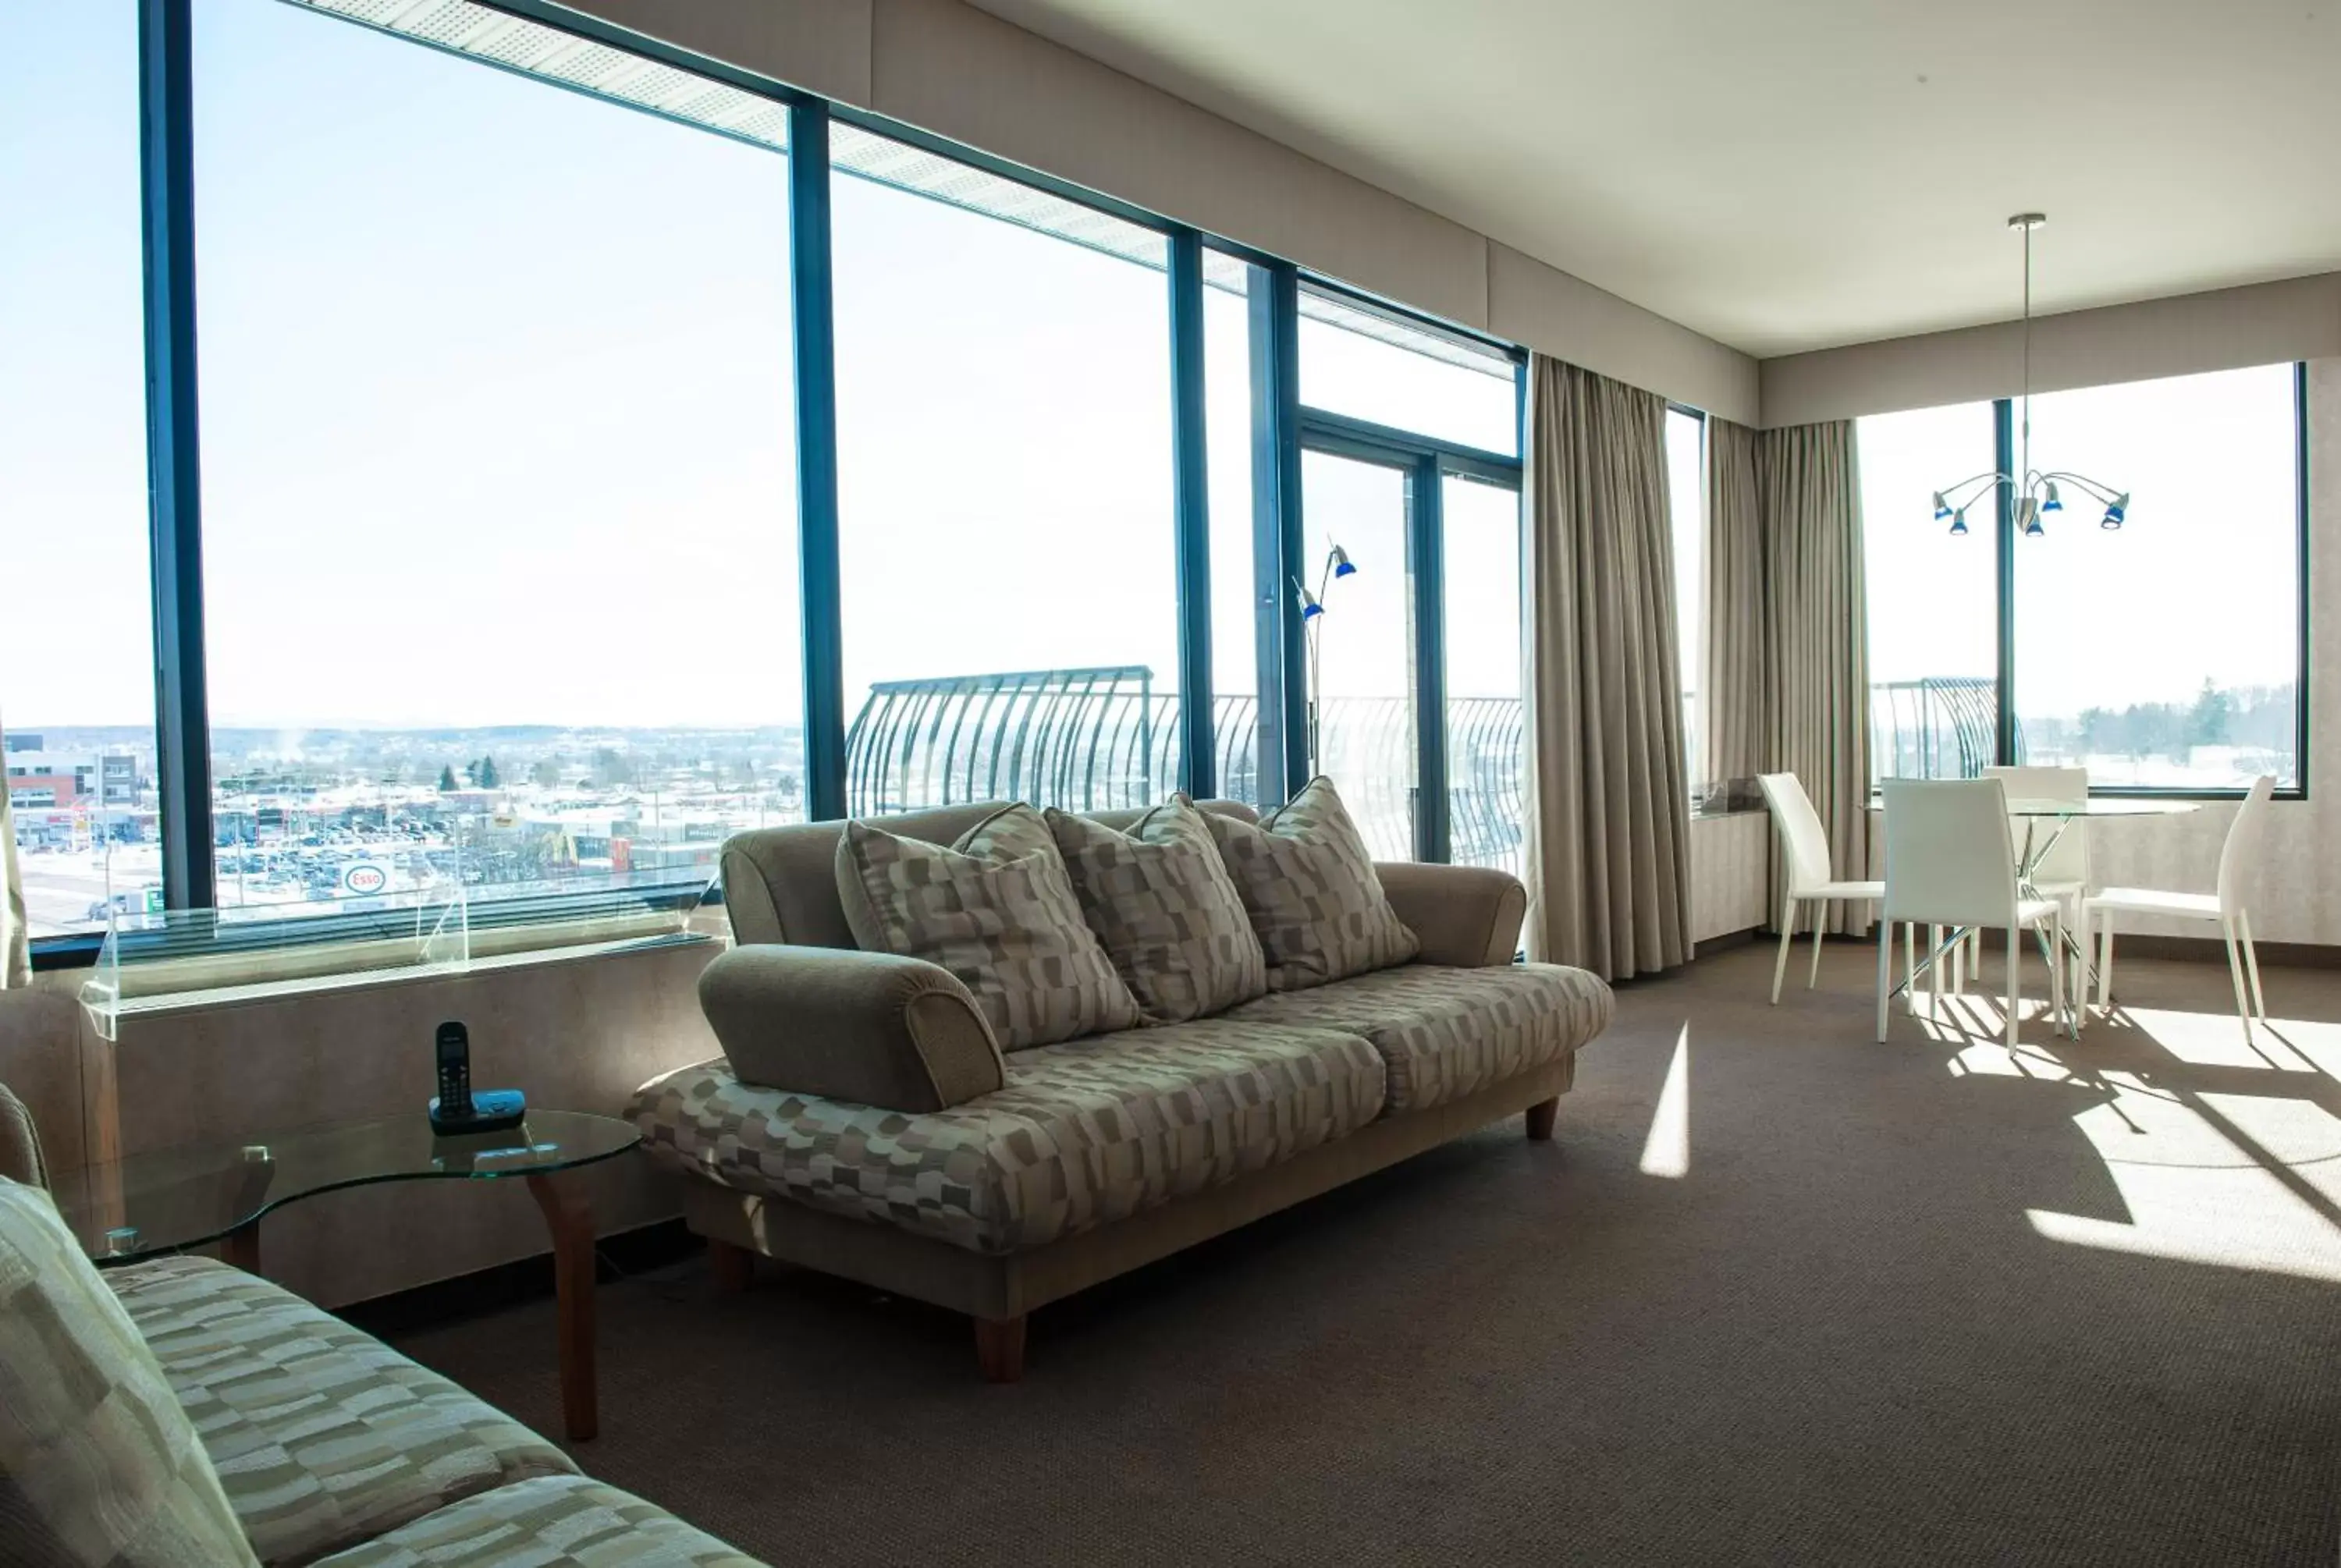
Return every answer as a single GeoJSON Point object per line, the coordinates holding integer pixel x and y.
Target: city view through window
{"type": "Point", "coordinates": [500, 570]}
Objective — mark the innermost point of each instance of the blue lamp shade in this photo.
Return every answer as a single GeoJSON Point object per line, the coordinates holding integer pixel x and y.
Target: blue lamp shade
{"type": "Point", "coordinates": [1943, 509]}
{"type": "Point", "coordinates": [1959, 521]}
{"type": "Point", "coordinates": [2054, 502]}
{"type": "Point", "coordinates": [1310, 609]}
{"type": "Point", "coordinates": [2117, 513]}
{"type": "Point", "coordinates": [1342, 565]}
{"type": "Point", "coordinates": [2027, 518]}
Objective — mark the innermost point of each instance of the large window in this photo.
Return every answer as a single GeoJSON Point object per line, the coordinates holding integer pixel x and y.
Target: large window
{"type": "Point", "coordinates": [76, 641]}
{"type": "Point", "coordinates": [2162, 654]}
{"type": "Point", "coordinates": [1934, 636]}
{"type": "Point", "coordinates": [2167, 654]}
{"type": "Point", "coordinates": [504, 339]}
{"type": "Point", "coordinates": [498, 480]}
{"type": "Point", "coordinates": [1005, 502]}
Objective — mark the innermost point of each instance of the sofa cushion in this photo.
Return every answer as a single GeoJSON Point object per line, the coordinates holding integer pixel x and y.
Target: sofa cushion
{"type": "Point", "coordinates": [1085, 1133]}
{"type": "Point", "coordinates": [997, 908]}
{"type": "Point", "coordinates": [323, 1436]}
{"type": "Point", "coordinates": [1308, 882]}
{"type": "Point", "coordinates": [550, 1522]}
{"type": "Point", "coordinates": [98, 1465]}
{"type": "Point", "coordinates": [1159, 898]}
{"type": "Point", "coordinates": [1448, 1033]}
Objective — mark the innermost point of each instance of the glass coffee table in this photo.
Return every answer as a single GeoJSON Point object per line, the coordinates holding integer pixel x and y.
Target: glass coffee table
{"type": "Point", "coordinates": [170, 1201]}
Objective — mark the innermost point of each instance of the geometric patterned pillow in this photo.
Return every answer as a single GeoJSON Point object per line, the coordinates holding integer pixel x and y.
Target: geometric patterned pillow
{"type": "Point", "coordinates": [98, 1463]}
{"type": "Point", "coordinates": [997, 909]}
{"type": "Point", "coordinates": [1308, 882]}
{"type": "Point", "coordinates": [1158, 895]}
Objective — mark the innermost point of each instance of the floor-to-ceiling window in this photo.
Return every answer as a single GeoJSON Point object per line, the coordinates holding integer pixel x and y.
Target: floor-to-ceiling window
{"type": "Point", "coordinates": [1934, 656]}
{"type": "Point", "coordinates": [1238, 310]}
{"type": "Point", "coordinates": [2167, 654]}
{"type": "Point", "coordinates": [1486, 726]}
{"type": "Point", "coordinates": [77, 640]}
{"type": "Point", "coordinates": [1004, 489]}
{"type": "Point", "coordinates": [498, 497]}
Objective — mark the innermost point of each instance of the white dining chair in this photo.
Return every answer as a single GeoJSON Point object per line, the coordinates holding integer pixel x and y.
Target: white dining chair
{"type": "Point", "coordinates": [1950, 861]}
{"type": "Point", "coordinates": [1804, 845]}
{"type": "Point", "coordinates": [2063, 872]}
{"type": "Point", "coordinates": [2228, 906]}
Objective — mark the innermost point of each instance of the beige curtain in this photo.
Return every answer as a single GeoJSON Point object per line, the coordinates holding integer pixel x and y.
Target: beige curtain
{"type": "Point", "coordinates": [1817, 636]}
{"type": "Point", "coordinates": [15, 963]}
{"type": "Point", "coordinates": [1735, 683]}
{"type": "Point", "coordinates": [1608, 807]}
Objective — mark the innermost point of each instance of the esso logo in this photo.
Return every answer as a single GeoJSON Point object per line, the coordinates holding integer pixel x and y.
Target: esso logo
{"type": "Point", "coordinates": [363, 879]}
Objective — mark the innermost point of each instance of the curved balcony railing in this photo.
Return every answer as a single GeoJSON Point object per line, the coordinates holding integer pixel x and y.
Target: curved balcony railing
{"type": "Point", "coordinates": [1102, 738]}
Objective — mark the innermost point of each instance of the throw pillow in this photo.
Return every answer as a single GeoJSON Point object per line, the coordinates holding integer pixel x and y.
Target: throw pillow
{"type": "Point", "coordinates": [998, 910]}
{"type": "Point", "coordinates": [1158, 895]}
{"type": "Point", "coordinates": [98, 1463]}
{"type": "Point", "coordinates": [1308, 883]}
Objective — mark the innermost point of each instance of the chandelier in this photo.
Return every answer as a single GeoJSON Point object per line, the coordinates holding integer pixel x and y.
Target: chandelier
{"type": "Point", "coordinates": [2037, 492]}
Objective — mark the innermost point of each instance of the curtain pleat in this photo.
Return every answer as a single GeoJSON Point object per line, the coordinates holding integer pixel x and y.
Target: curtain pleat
{"type": "Point", "coordinates": [1735, 708]}
{"type": "Point", "coordinates": [15, 962]}
{"type": "Point", "coordinates": [1816, 637]}
{"type": "Point", "coordinates": [1608, 818]}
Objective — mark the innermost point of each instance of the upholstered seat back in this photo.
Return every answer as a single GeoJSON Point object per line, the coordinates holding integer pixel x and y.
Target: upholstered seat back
{"type": "Point", "coordinates": [780, 884]}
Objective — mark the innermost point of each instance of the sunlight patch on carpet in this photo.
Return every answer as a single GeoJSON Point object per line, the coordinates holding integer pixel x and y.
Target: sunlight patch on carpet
{"type": "Point", "coordinates": [1666, 1151]}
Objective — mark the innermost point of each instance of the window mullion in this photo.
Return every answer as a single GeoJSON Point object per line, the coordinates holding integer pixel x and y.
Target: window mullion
{"type": "Point", "coordinates": [2003, 543]}
{"type": "Point", "coordinates": [1192, 515]}
{"type": "Point", "coordinates": [816, 340]}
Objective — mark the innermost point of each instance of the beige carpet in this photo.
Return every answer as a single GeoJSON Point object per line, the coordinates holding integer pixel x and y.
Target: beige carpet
{"type": "Point", "coordinates": [1820, 1301]}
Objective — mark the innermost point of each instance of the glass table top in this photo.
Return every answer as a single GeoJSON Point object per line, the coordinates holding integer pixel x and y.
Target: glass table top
{"type": "Point", "coordinates": [2100, 805]}
{"type": "Point", "coordinates": [178, 1198]}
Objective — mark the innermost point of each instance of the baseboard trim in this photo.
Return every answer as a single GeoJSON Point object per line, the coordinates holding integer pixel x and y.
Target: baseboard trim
{"type": "Point", "coordinates": [524, 1279]}
{"type": "Point", "coordinates": [2129, 945]}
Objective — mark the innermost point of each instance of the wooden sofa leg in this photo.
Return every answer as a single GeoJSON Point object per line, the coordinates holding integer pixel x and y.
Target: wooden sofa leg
{"type": "Point", "coordinates": [999, 1349]}
{"type": "Point", "coordinates": [734, 1266]}
{"type": "Point", "coordinates": [1540, 1119]}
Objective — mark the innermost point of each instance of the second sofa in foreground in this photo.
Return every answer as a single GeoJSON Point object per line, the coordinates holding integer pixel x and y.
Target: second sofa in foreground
{"type": "Point", "coordinates": [887, 1138]}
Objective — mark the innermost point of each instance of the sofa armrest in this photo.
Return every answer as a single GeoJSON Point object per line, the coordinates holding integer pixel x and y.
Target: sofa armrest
{"type": "Point", "coordinates": [1465, 916]}
{"type": "Point", "coordinates": [870, 1027]}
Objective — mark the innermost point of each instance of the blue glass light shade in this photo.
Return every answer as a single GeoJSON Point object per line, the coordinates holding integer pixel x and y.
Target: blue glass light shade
{"type": "Point", "coordinates": [2117, 513]}
{"type": "Point", "coordinates": [1311, 610]}
{"type": "Point", "coordinates": [1943, 509]}
{"type": "Point", "coordinates": [1960, 521]}
{"type": "Point", "coordinates": [2054, 501]}
{"type": "Point", "coordinates": [1347, 569]}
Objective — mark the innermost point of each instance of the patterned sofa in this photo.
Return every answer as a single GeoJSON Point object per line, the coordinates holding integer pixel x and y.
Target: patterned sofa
{"type": "Point", "coordinates": [1095, 1155]}
{"type": "Point", "coordinates": [330, 1447]}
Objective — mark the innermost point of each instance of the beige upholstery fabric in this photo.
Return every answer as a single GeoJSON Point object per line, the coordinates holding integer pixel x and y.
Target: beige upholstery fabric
{"type": "Point", "coordinates": [1463, 916]}
{"type": "Point", "coordinates": [869, 1026]}
{"type": "Point", "coordinates": [98, 1465]}
{"type": "Point", "coordinates": [552, 1522]}
{"type": "Point", "coordinates": [20, 1144]}
{"type": "Point", "coordinates": [1444, 1034]}
{"type": "Point", "coordinates": [1309, 887]}
{"type": "Point", "coordinates": [322, 1436]}
{"type": "Point", "coordinates": [780, 884]}
{"type": "Point", "coordinates": [1160, 900]}
{"type": "Point", "coordinates": [997, 908]}
{"type": "Point", "coordinates": [1609, 821]}
{"type": "Point", "coordinates": [1083, 1133]}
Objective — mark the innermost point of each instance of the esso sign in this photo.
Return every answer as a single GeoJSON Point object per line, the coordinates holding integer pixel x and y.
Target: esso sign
{"type": "Point", "coordinates": [364, 879]}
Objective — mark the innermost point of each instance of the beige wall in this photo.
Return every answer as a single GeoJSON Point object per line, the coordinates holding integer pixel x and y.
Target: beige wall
{"type": "Point", "coordinates": [962, 73]}
{"type": "Point", "coordinates": [2227, 329]}
{"type": "Point", "coordinates": [575, 1034]}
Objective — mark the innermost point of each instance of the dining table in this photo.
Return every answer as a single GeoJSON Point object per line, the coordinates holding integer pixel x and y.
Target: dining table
{"type": "Point", "coordinates": [2045, 820]}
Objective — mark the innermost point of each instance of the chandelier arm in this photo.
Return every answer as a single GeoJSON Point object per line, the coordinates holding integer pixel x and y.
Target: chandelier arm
{"type": "Point", "coordinates": [2102, 491]}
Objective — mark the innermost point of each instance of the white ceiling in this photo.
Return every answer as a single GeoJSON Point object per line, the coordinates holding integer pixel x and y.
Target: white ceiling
{"type": "Point", "coordinates": [1788, 174]}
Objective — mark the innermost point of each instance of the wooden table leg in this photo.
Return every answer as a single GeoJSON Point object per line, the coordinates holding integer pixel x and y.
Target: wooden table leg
{"type": "Point", "coordinates": [240, 1249]}
{"type": "Point", "coordinates": [569, 1217]}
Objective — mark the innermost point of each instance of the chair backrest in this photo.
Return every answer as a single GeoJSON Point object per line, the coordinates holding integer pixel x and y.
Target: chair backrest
{"type": "Point", "coordinates": [2242, 834]}
{"type": "Point", "coordinates": [1803, 841]}
{"type": "Point", "coordinates": [2068, 859]}
{"type": "Point", "coordinates": [1949, 860]}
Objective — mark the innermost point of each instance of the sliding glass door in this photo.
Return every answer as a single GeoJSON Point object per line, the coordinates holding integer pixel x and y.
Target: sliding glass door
{"type": "Point", "coordinates": [1360, 626]}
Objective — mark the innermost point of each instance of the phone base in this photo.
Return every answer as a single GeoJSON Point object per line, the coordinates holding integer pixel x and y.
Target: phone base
{"type": "Point", "coordinates": [492, 1110]}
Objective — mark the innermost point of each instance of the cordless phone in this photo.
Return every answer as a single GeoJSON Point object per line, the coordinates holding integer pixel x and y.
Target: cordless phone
{"type": "Point", "coordinates": [456, 1108]}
